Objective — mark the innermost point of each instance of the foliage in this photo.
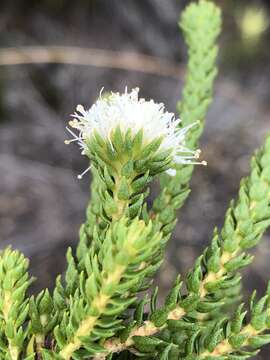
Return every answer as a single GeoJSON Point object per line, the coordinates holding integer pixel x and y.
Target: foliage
{"type": "Point", "coordinates": [101, 307]}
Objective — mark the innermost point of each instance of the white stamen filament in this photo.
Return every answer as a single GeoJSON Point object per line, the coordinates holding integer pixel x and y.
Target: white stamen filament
{"type": "Point", "coordinates": [80, 176]}
{"type": "Point", "coordinates": [130, 112]}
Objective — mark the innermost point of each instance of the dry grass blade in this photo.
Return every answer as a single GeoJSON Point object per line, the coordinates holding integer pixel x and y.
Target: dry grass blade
{"type": "Point", "coordinates": [129, 61]}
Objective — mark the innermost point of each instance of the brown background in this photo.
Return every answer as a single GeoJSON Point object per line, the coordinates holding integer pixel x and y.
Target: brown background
{"type": "Point", "coordinates": [41, 201]}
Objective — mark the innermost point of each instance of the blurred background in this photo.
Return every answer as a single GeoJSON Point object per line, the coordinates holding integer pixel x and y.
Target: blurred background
{"type": "Point", "coordinates": [89, 44]}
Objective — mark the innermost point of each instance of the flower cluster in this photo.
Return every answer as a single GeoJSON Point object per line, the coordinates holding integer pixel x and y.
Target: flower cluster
{"type": "Point", "coordinates": [129, 112]}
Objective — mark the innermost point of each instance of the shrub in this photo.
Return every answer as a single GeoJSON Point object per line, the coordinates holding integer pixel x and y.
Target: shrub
{"type": "Point", "coordinates": [101, 307]}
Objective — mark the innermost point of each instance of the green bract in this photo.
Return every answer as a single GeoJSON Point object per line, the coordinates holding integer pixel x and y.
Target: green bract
{"type": "Point", "coordinates": [102, 307]}
{"type": "Point", "coordinates": [124, 172]}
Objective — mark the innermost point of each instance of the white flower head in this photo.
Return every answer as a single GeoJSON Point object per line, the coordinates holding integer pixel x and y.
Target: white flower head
{"type": "Point", "coordinates": [128, 111]}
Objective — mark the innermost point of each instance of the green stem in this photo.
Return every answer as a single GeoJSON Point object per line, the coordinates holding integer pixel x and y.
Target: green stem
{"type": "Point", "coordinates": [87, 325]}
{"type": "Point", "coordinates": [7, 304]}
{"type": "Point", "coordinates": [40, 339]}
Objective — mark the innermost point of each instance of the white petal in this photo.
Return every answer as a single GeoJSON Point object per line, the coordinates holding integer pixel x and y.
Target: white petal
{"type": "Point", "coordinates": [129, 111]}
{"type": "Point", "coordinates": [171, 172]}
